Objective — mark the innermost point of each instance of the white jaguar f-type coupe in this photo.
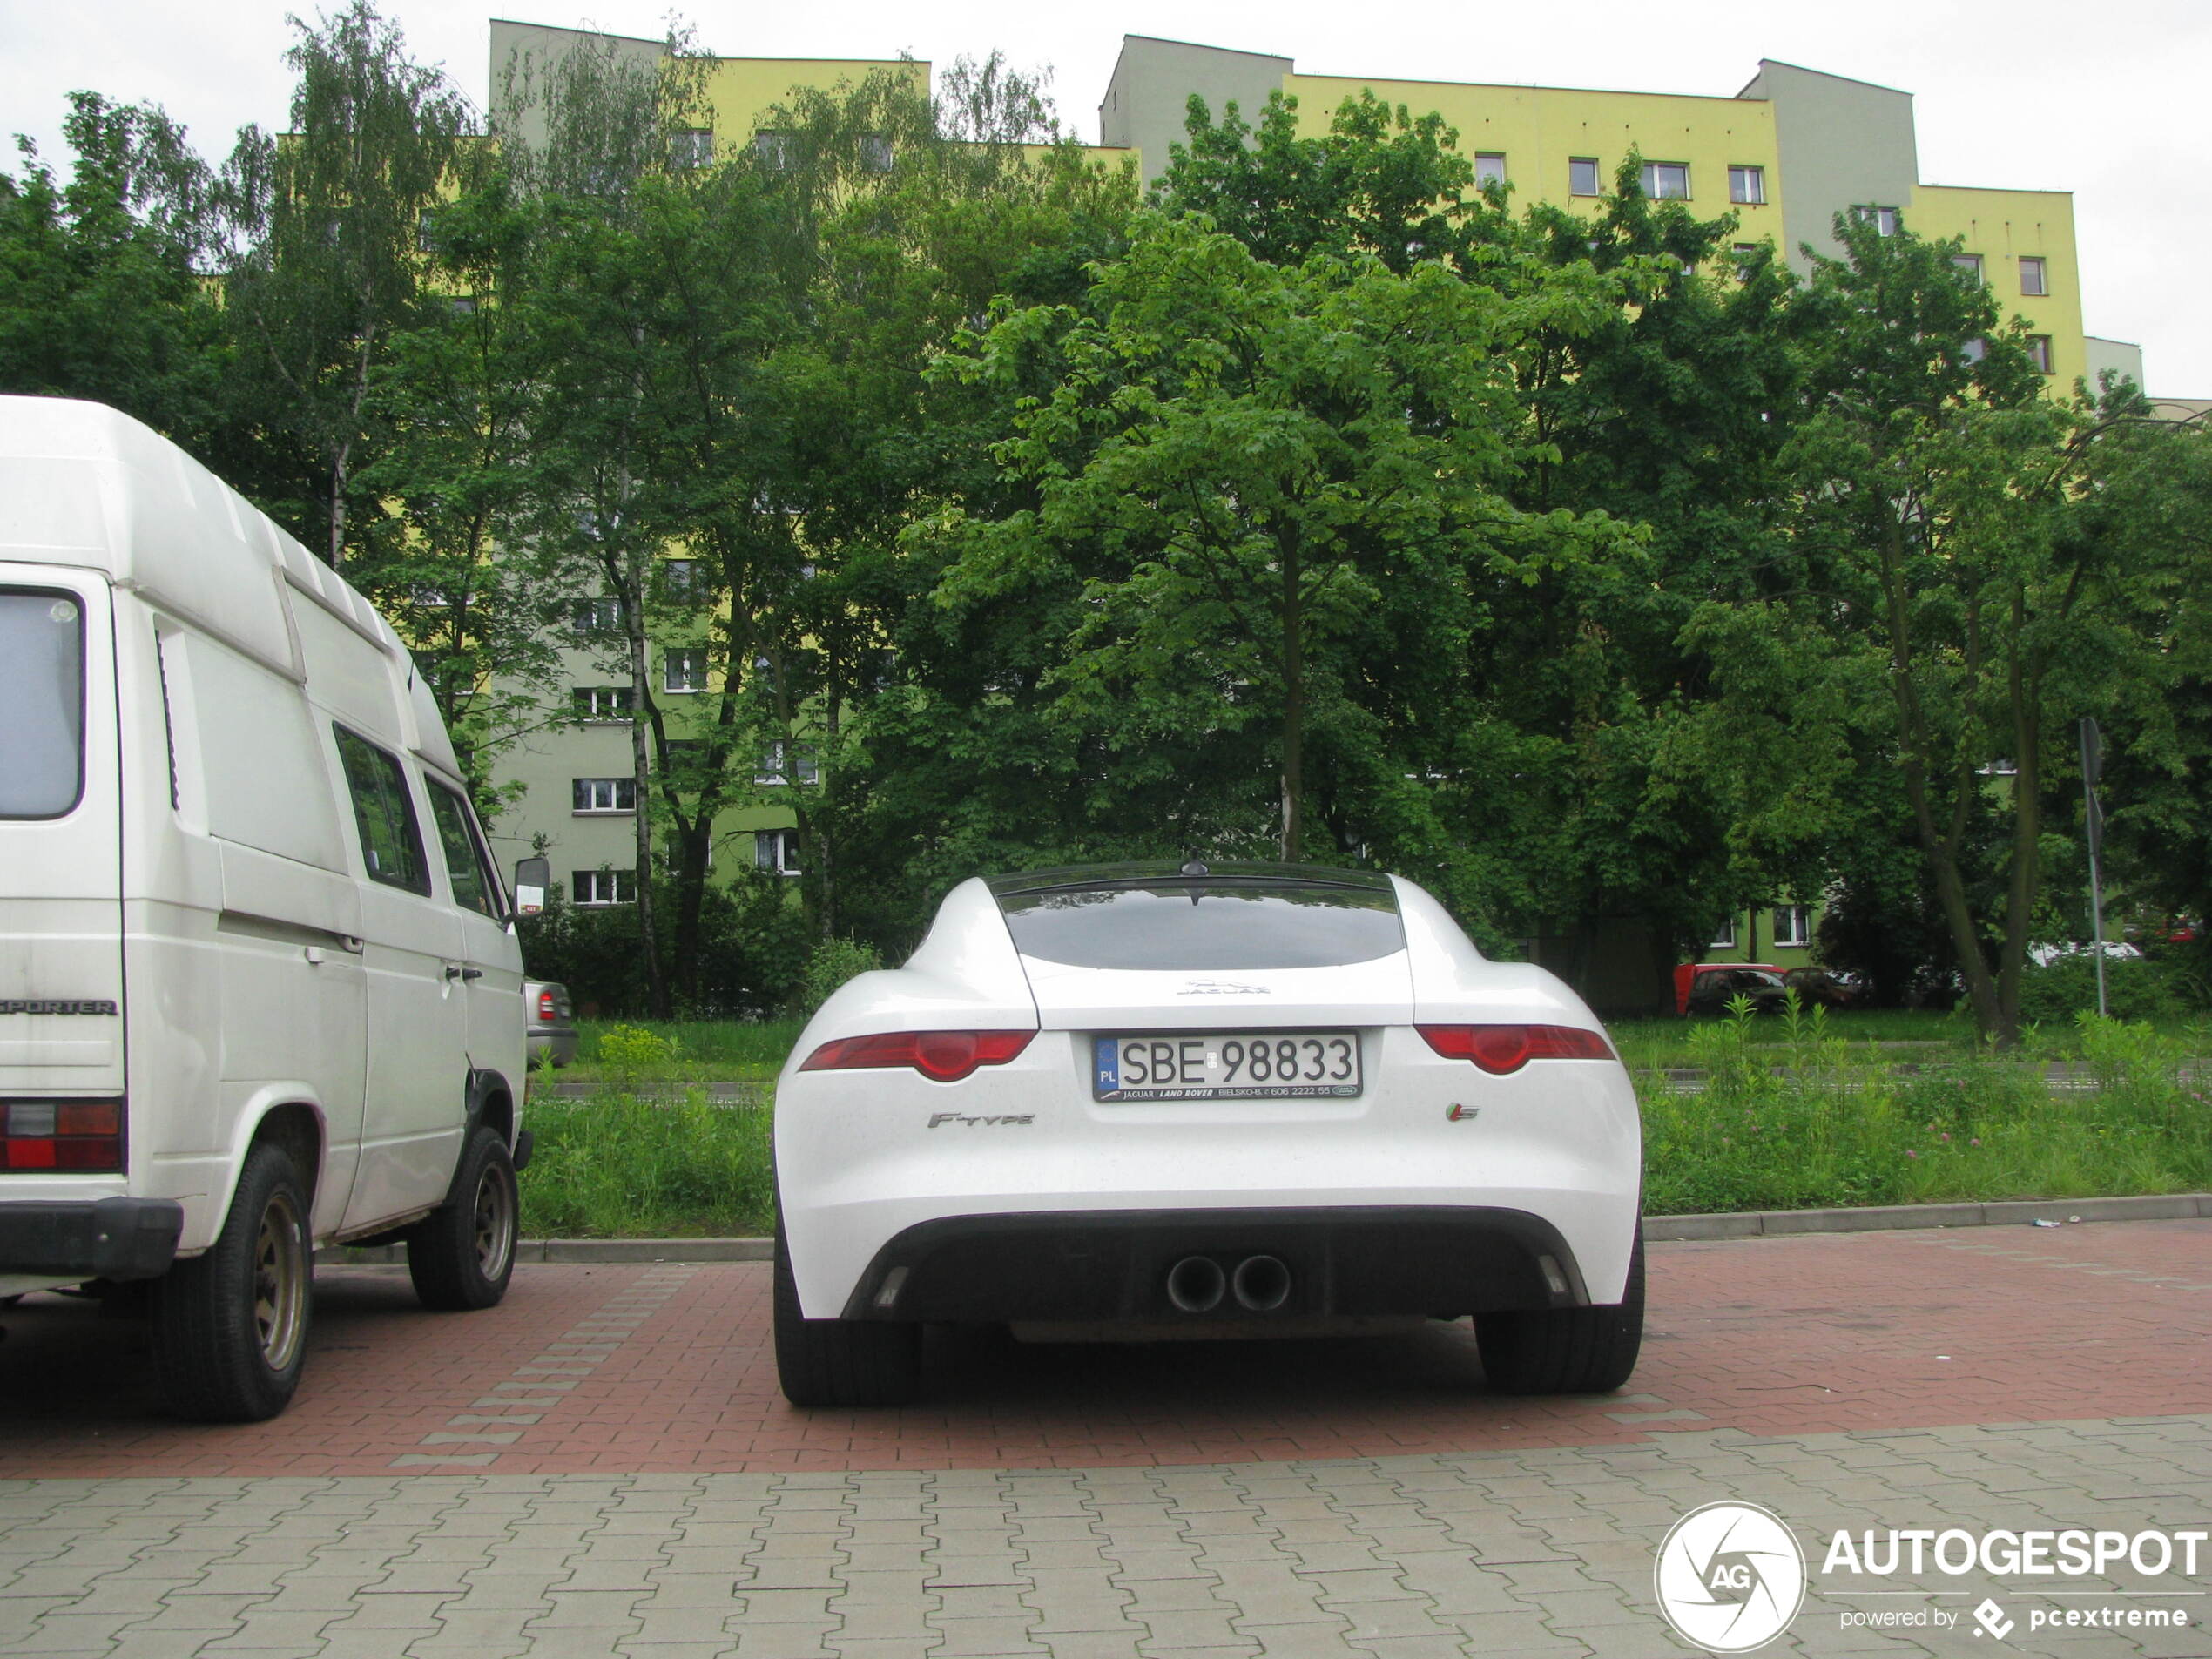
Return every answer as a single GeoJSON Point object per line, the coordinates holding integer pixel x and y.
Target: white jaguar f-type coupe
{"type": "Point", "coordinates": [1152, 1098]}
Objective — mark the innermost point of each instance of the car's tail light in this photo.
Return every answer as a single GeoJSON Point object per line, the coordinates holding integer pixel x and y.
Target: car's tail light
{"type": "Point", "coordinates": [545, 1007]}
{"type": "Point", "coordinates": [83, 1136]}
{"type": "Point", "coordinates": [947, 1056]}
{"type": "Point", "coordinates": [1502, 1048]}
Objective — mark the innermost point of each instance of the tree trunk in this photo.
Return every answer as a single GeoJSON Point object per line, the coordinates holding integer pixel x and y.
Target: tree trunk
{"type": "Point", "coordinates": [1293, 706]}
{"type": "Point", "coordinates": [629, 585]}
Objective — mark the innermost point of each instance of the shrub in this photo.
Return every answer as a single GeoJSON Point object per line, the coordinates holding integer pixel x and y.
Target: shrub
{"type": "Point", "coordinates": [834, 962]}
{"type": "Point", "coordinates": [2135, 988]}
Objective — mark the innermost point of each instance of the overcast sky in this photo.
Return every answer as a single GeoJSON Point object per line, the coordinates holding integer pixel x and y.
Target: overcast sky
{"type": "Point", "coordinates": [2106, 101]}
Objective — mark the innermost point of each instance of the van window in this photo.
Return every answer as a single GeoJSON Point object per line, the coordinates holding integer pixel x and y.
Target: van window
{"type": "Point", "coordinates": [391, 841]}
{"type": "Point", "coordinates": [41, 704]}
{"type": "Point", "coordinates": [474, 888]}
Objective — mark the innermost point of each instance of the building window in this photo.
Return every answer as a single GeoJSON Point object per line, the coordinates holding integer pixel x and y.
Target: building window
{"type": "Point", "coordinates": [604, 887]}
{"type": "Point", "coordinates": [1489, 167]}
{"type": "Point", "coordinates": [679, 578]}
{"type": "Point", "coordinates": [1725, 938]}
{"type": "Point", "coordinates": [1975, 349]}
{"type": "Point", "coordinates": [692, 147]}
{"type": "Point", "coordinates": [596, 616]}
{"type": "Point", "coordinates": [1667, 181]}
{"type": "Point", "coordinates": [683, 669]}
{"type": "Point", "coordinates": [604, 794]}
{"type": "Point", "coordinates": [1747, 185]}
{"type": "Point", "coordinates": [787, 763]}
{"type": "Point", "coordinates": [776, 850]}
{"type": "Point", "coordinates": [2039, 352]}
{"type": "Point", "coordinates": [778, 151]}
{"type": "Point", "coordinates": [426, 234]}
{"type": "Point", "coordinates": [1581, 176]}
{"type": "Point", "coordinates": [1969, 264]}
{"type": "Point", "coordinates": [1883, 219]}
{"type": "Point", "coordinates": [462, 305]}
{"type": "Point", "coordinates": [2033, 279]}
{"type": "Point", "coordinates": [1792, 924]}
{"type": "Point", "coordinates": [876, 154]}
{"type": "Point", "coordinates": [603, 703]}
{"type": "Point", "coordinates": [1745, 255]}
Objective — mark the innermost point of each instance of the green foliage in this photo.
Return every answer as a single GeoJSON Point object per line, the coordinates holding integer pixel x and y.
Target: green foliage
{"type": "Point", "coordinates": [2135, 988]}
{"type": "Point", "coordinates": [753, 949]}
{"type": "Point", "coordinates": [620, 1166]}
{"type": "Point", "coordinates": [832, 963]}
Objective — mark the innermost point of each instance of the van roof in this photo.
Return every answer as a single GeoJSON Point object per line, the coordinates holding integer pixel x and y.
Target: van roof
{"type": "Point", "coordinates": [83, 485]}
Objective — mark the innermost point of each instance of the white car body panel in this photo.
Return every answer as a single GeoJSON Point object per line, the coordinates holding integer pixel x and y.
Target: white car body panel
{"type": "Point", "coordinates": [862, 1155]}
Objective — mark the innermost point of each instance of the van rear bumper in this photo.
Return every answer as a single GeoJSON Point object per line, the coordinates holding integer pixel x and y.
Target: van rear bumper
{"type": "Point", "coordinates": [111, 1238]}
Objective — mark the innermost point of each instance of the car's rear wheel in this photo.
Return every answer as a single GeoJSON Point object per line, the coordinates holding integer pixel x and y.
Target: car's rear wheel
{"type": "Point", "coordinates": [1566, 1351]}
{"type": "Point", "coordinates": [840, 1362]}
{"type": "Point", "coordinates": [461, 1256]}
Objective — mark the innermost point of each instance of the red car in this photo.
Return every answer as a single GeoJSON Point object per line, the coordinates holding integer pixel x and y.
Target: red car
{"type": "Point", "coordinates": [1707, 987]}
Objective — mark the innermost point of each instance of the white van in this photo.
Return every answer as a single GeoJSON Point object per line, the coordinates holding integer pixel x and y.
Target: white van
{"type": "Point", "coordinates": [260, 990]}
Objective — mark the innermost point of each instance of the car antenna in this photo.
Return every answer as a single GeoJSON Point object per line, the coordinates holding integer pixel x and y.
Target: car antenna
{"type": "Point", "coordinates": [1193, 866]}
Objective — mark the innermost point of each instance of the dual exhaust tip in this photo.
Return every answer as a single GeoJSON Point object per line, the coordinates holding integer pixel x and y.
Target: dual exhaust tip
{"type": "Point", "coordinates": [1259, 1284]}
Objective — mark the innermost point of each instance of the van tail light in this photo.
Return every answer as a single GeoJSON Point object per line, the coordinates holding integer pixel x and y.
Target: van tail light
{"type": "Point", "coordinates": [75, 1137]}
{"type": "Point", "coordinates": [1502, 1048]}
{"type": "Point", "coordinates": [545, 1007]}
{"type": "Point", "coordinates": [945, 1056]}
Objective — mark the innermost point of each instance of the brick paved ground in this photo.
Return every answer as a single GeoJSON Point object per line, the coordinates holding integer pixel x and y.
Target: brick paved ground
{"type": "Point", "coordinates": [639, 1369]}
{"type": "Point", "coordinates": [486, 1484]}
{"type": "Point", "coordinates": [1544, 1552]}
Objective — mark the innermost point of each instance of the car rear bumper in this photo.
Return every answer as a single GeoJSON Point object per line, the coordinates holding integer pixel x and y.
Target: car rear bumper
{"type": "Point", "coordinates": [111, 1238]}
{"type": "Point", "coordinates": [552, 1044]}
{"type": "Point", "coordinates": [1116, 1264]}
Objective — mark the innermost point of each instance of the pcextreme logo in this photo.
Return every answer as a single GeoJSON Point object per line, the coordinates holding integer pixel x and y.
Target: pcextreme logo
{"type": "Point", "coordinates": [1730, 1577]}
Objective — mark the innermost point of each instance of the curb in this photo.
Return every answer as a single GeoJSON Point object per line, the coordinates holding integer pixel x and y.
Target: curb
{"type": "Point", "coordinates": [1887, 1217]}
{"type": "Point", "coordinates": [1758, 1224]}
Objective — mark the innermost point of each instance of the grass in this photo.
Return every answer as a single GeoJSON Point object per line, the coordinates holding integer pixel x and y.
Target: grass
{"type": "Point", "coordinates": [1831, 1127]}
{"type": "Point", "coordinates": [613, 1166]}
{"type": "Point", "coordinates": [1663, 1044]}
{"type": "Point", "coordinates": [612, 1053]}
{"type": "Point", "coordinates": [1794, 1115]}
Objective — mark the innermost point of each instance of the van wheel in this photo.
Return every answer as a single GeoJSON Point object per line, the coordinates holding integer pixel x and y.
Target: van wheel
{"type": "Point", "coordinates": [1566, 1351]}
{"type": "Point", "coordinates": [840, 1362]}
{"type": "Point", "coordinates": [231, 1325]}
{"type": "Point", "coordinates": [460, 1256]}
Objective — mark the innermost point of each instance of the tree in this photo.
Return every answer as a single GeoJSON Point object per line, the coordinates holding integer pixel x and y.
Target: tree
{"type": "Point", "coordinates": [101, 290]}
{"type": "Point", "coordinates": [326, 223]}
{"type": "Point", "coordinates": [1237, 461]}
{"type": "Point", "coordinates": [1940, 619]}
{"type": "Point", "coordinates": [455, 398]}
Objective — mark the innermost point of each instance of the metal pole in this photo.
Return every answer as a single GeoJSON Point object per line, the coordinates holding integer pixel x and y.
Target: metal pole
{"type": "Point", "coordinates": [2093, 822]}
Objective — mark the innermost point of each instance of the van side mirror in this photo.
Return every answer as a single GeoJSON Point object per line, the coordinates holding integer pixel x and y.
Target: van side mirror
{"type": "Point", "coordinates": [532, 877]}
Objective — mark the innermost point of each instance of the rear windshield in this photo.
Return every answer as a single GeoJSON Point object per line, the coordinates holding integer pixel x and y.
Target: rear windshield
{"type": "Point", "coordinates": [41, 704]}
{"type": "Point", "coordinates": [1181, 926]}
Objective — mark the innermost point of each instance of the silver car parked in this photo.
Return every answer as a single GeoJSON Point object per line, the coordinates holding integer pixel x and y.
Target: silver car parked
{"type": "Point", "coordinates": [550, 1018]}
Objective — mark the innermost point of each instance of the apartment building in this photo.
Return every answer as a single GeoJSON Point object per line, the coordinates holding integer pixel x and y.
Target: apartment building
{"type": "Point", "coordinates": [1786, 155]}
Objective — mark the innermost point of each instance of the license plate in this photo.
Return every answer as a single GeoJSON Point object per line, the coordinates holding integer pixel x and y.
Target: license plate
{"type": "Point", "coordinates": [1229, 1065]}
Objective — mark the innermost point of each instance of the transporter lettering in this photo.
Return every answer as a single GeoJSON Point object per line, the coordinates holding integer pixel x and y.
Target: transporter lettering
{"type": "Point", "coordinates": [57, 1005]}
{"type": "Point", "coordinates": [2072, 1553]}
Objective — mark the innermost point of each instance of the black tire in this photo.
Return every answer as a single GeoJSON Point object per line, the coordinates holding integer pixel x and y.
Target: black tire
{"type": "Point", "coordinates": [840, 1362]}
{"type": "Point", "coordinates": [1566, 1351]}
{"type": "Point", "coordinates": [460, 1256]}
{"type": "Point", "coordinates": [231, 1325]}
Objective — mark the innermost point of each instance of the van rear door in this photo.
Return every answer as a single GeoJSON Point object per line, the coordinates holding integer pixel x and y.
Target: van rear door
{"type": "Point", "coordinates": [61, 905]}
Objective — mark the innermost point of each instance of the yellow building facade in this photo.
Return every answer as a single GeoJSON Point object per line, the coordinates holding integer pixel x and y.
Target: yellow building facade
{"type": "Point", "coordinates": [1787, 153]}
